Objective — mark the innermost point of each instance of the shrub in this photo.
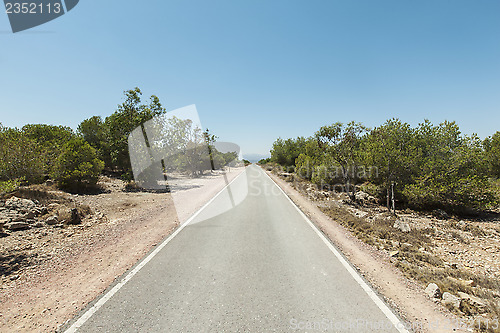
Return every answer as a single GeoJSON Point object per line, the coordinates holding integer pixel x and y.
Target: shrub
{"type": "Point", "coordinates": [20, 157]}
{"type": "Point", "coordinates": [77, 167]}
{"type": "Point", "coordinates": [304, 166]}
{"type": "Point", "coordinates": [9, 185]}
{"type": "Point", "coordinates": [327, 176]}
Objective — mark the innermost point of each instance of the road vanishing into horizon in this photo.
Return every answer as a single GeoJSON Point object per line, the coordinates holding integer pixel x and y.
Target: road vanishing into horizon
{"type": "Point", "coordinates": [257, 267]}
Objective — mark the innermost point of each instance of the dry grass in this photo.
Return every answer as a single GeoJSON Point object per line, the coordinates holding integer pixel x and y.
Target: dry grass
{"type": "Point", "coordinates": [416, 262]}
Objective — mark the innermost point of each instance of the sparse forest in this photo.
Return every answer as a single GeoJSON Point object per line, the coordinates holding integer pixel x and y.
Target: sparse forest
{"type": "Point", "coordinates": [424, 167]}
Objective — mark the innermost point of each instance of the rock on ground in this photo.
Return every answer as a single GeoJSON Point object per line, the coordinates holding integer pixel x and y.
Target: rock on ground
{"type": "Point", "coordinates": [402, 225]}
{"type": "Point", "coordinates": [472, 305]}
{"type": "Point", "coordinates": [433, 291]}
{"type": "Point", "coordinates": [20, 204]}
{"type": "Point", "coordinates": [451, 300]}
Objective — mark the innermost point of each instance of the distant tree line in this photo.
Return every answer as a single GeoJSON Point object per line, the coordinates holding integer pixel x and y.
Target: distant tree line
{"type": "Point", "coordinates": [423, 167]}
{"type": "Point", "coordinates": [76, 159]}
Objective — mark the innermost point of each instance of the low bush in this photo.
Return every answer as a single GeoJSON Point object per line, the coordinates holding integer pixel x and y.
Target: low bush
{"type": "Point", "coordinates": [77, 167]}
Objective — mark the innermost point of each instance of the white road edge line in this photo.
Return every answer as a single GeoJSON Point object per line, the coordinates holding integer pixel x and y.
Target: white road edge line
{"type": "Point", "coordinates": [398, 324]}
{"type": "Point", "coordinates": [86, 316]}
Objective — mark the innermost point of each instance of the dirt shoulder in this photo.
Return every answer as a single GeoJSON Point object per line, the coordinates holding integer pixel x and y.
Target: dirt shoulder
{"type": "Point", "coordinates": [404, 295]}
{"type": "Point", "coordinates": [50, 272]}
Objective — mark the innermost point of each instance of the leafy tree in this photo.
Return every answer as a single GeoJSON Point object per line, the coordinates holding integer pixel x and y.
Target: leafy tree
{"type": "Point", "coordinates": [451, 170]}
{"type": "Point", "coordinates": [342, 144]}
{"type": "Point", "coordinates": [131, 114]}
{"type": "Point", "coordinates": [391, 149]}
{"type": "Point", "coordinates": [49, 140]}
{"type": "Point", "coordinates": [230, 157]}
{"type": "Point", "coordinates": [214, 157]}
{"type": "Point", "coordinates": [492, 149]}
{"type": "Point", "coordinates": [304, 166]}
{"type": "Point", "coordinates": [77, 166]}
{"type": "Point", "coordinates": [310, 157]}
{"type": "Point", "coordinates": [93, 130]}
{"type": "Point", "coordinates": [20, 157]}
{"type": "Point", "coordinates": [285, 152]}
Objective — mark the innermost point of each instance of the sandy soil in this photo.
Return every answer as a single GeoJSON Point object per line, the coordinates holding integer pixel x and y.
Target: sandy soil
{"type": "Point", "coordinates": [72, 265]}
{"type": "Point", "coordinates": [405, 296]}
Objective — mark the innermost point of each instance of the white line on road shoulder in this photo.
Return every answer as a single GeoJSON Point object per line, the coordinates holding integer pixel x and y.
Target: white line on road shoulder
{"type": "Point", "coordinates": [86, 316]}
{"type": "Point", "coordinates": [398, 324]}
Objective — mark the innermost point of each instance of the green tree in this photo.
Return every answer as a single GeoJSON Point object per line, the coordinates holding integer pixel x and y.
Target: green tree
{"type": "Point", "coordinates": [451, 170]}
{"type": "Point", "coordinates": [78, 166]}
{"type": "Point", "coordinates": [49, 140]}
{"type": "Point", "coordinates": [492, 150]}
{"type": "Point", "coordinates": [20, 157]}
{"type": "Point", "coordinates": [285, 152]}
{"type": "Point", "coordinates": [131, 114]}
{"type": "Point", "coordinates": [391, 149]}
{"type": "Point", "coordinates": [94, 132]}
{"type": "Point", "coordinates": [341, 142]}
{"type": "Point", "coordinates": [310, 157]}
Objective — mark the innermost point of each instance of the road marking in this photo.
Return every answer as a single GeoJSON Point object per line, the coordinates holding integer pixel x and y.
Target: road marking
{"type": "Point", "coordinates": [398, 324]}
{"type": "Point", "coordinates": [86, 316]}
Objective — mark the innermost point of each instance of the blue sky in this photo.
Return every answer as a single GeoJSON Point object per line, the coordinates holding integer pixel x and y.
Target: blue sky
{"type": "Point", "coordinates": [261, 69]}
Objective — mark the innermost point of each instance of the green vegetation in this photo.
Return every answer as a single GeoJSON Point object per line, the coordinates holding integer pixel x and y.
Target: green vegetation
{"type": "Point", "coordinates": [492, 150]}
{"type": "Point", "coordinates": [29, 153]}
{"type": "Point", "coordinates": [9, 185]}
{"type": "Point", "coordinates": [423, 167]}
{"type": "Point", "coordinates": [110, 137]}
{"type": "Point", "coordinates": [77, 166]}
{"type": "Point", "coordinates": [36, 152]}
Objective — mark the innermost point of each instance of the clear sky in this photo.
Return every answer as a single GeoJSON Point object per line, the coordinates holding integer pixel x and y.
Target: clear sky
{"type": "Point", "coordinates": [261, 69]}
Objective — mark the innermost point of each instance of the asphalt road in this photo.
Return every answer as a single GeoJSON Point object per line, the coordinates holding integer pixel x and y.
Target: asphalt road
{"type": "Point", "coordinates": [258, 267]}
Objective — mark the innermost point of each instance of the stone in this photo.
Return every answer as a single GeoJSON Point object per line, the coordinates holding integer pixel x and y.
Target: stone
{"type": "Point", "coordinates": [18, 218]}
{"type": "Point", "coordinates": [39, 224]}
{"type": "Point", "coordinates": [402, 225]}
{"type": "Point", "coordinates": [53, 220]}
{"type": "Point", "coordinates": [30, 215]}
{"type": "Point", "coordinates": [41, 211]}
{"type": "Point", "coordinates": [364, 197]}
{"type": "Point", "coordinates": [433, 291]}
{"type": "Point", "coordinates": [287, 176]}
{"type": "Point", "coordinates": [393, 253]}
{"type": "Point", "coordinates": [52, 206]}
{"type": "Point", "coordinates": [472, 305]}
{"type": "Point", "coordinates": [14, 226]}
{"type": "Point", "coordinates": [470, 283]}
{"type": "Point", "coordinates": [361, 196]}
{"type": "Point", "coordinates": [451, 300]}
{"type": "Point", "coordinates": [75, 217]}
{"type": "Point", "coordinates": [20, 204]}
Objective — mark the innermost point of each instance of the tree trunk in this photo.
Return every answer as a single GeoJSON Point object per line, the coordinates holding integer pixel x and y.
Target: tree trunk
{"type": "Point", "coordinates": [388, 198]}
{"type": "Point", "coordinates": [353, 192]}
{"type": "Point", "coordinates": [393, 201]}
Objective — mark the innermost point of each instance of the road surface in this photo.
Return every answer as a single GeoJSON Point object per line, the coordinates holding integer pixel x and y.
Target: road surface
{"type": "Point", "coordinates": [259, 267]}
